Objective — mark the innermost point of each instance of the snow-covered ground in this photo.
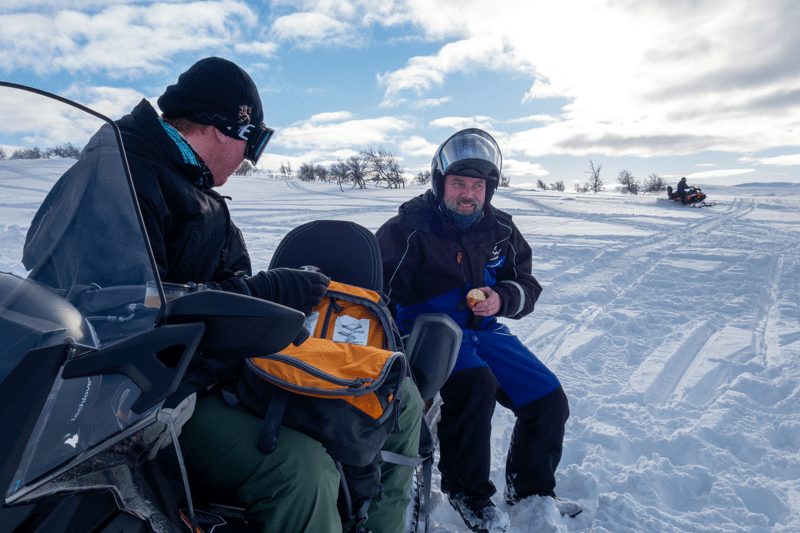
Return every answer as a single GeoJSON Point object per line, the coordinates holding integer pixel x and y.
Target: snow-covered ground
{"type": "Point", "coordinates": [674, 331]}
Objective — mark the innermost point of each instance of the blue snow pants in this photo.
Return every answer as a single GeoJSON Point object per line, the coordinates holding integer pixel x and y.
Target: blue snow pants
{"type": "Point", "coordinates": [520, 374]}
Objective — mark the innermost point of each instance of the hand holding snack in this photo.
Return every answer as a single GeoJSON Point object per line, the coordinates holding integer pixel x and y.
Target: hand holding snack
{"type": "Point", "coordinates": [474, 296]}
{"type": "Point", "coordinates": [488, 303]}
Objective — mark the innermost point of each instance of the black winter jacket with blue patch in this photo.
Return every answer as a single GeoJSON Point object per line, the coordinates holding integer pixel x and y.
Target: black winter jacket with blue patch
{"type": "Point", "coordinates": [429, 264]}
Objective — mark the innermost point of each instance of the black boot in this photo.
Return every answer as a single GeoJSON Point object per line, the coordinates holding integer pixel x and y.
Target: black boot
{"type": "Point", "coordinates": [479, 514]}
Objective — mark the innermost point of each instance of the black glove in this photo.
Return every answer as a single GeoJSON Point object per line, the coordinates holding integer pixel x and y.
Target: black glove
{"type": "Point", "coordinates": [298, 289]}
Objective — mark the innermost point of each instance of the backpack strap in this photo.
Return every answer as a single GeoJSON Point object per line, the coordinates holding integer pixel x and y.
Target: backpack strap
{"type": "Point", "coordinates": [427, 475]}
{"type": "Point", "coordinates": [268, 438]}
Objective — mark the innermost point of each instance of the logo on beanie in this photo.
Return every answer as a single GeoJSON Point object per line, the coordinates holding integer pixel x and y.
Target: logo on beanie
{"type": "Point", "coordinates": [244, 113]}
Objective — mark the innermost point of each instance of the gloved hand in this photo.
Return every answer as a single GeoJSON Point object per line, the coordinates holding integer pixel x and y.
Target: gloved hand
{"type": "Point", "coordinates": [298, 289]}
{"type": "Point", "coordinates": [180, 414]}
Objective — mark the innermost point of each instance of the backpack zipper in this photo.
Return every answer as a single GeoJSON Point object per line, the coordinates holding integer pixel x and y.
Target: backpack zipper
{"type": "Point", "coordinates": [317, 373]}
{"type": "Point", "coordinates": [324, 333]}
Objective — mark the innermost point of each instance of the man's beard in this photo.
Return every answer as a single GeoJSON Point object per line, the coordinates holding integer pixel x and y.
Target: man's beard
{"type": "Point", "coordinates": [456, 208]}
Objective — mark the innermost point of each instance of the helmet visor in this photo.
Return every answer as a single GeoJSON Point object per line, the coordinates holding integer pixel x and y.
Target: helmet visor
{"type": "Point", "coordinates": [471, 152]}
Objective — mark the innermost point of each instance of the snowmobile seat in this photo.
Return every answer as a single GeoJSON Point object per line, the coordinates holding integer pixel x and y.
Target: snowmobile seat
{"type": "Point", "coordinates": [344, 251]}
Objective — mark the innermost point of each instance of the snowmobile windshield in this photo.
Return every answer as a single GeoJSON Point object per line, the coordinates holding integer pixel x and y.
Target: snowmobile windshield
{"type": "Point", "coordinates": [75, 271]}
{"type": "Point", "coordinates": [69, 218]}
{"type": "Point", "coordinates": [471, 152]}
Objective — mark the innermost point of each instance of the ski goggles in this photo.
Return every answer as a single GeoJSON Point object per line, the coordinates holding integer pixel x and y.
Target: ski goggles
{"type": "Point", "coordinates": [257, 137]}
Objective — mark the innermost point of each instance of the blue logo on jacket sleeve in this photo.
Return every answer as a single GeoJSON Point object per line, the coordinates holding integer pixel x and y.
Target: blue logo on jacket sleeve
{"type": "Point", "coordinates": [490, 272]}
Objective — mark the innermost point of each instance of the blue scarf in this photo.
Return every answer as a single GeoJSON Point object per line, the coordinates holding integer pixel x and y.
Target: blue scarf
{"type": "Point", "coordinates": [463, 221]}
{"type": "Point", "coordinates": [190, 157]}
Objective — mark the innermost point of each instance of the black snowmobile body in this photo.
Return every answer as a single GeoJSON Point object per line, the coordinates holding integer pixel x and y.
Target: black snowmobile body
{"type": "Point", "coordinates": [91, 342]}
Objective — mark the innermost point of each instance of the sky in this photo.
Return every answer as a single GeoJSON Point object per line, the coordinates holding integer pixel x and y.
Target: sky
{"type": "Point", "coordinates": [707, 89]}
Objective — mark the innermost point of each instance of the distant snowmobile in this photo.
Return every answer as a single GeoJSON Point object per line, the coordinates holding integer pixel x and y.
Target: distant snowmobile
{"type": "Point", "coordinates": [695, 197]}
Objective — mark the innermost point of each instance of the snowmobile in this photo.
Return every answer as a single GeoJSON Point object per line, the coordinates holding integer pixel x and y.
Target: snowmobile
{"type": "Point", "coordinates": [92, 342]}
{"type": "Point", "coordinates": [695, 197]}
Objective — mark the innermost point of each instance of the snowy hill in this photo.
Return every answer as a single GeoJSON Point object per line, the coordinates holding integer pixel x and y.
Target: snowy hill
{"type": "Point", "coordinates": [674, 331]}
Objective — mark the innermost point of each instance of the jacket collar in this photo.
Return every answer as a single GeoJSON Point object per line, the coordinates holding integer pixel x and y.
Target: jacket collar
{"type": "Point", "coordinates": [173, 146]}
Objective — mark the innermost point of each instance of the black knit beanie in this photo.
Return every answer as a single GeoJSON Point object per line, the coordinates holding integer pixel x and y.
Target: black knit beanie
{"type": "Point", "coordinates": [214, 92]}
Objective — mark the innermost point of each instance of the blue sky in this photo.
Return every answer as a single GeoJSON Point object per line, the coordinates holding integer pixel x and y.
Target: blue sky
{"type": "Point", "coordinates": [708, 89]}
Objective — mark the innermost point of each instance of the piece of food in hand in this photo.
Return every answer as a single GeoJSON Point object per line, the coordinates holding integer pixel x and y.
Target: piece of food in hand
{"type": "Point", "coordinates": [474, 296]}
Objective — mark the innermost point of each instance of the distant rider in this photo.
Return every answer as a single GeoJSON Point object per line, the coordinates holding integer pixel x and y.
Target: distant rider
{"type": "Point", "coordinates": [683, 189]}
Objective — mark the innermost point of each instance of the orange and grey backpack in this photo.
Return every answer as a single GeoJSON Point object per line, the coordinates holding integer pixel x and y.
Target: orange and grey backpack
{"type": "Point", "coordinates": [342, 386]}
{"type": "Point", "coordinates": [346, 378]}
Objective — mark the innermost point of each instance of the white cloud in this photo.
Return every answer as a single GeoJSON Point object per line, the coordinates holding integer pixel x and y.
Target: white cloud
{"type": "Point", "coordinates": [640, 78]}
{"type": "Point", "coordinates": [335, 116]}
{"type": "Point", "coordinates": [523, 169]}
{"type": "Point", "coordinates": [417, 146]}
{"type": "Point", "coordinates": [110, 101]}
{"type": "Point", "coordinates": [423, 72]}
{"type": "Point", "coordinates": [65, 124]}
{"type": "Point", "coordinates": [50, 6]}
{"type": "Point", "coordinates": [544, 119]}
{"type": "Point", "coordinates": [308, 30]}
{"type": "Point", "coordinates": [460, 123]}
{"type": "Point", "coordinates": [719, 173]}
{"type": "Point", "coordinates": [266, 50]}
{"type": "Point", "coordinates": [778, 161]}
{"type": "Point", "coordinates": [429, 102]}
{"type": "Point", "coordinates": [330, 135]}
{"type": "Point", "coordinates": [123, 40]}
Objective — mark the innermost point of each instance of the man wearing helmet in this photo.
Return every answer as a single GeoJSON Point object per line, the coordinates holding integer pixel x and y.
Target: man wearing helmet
{"type": "Point", "coordinates": [441, 245]}
{"type": "Point", "coordinates": [682, 189]}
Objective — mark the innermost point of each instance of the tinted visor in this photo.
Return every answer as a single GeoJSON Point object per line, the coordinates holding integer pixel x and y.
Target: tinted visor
{"type": "Point", "coordinates": [257, 137]}
{"type": "Point", "coordinates": [471, 152]}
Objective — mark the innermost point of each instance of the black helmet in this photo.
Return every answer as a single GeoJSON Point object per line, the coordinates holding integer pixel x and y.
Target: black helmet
{"type": "Point", "coordinates": [472, 153]}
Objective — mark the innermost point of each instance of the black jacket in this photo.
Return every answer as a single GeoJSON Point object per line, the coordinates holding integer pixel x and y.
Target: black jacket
{"type": "Point", "coordinates": [429, 264]}
{"type": "Point", "coordinates": [188, 224]}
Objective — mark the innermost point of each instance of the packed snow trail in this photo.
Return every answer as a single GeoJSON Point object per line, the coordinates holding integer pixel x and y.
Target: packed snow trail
{"type": "Point", "coordinates": [673, 330]}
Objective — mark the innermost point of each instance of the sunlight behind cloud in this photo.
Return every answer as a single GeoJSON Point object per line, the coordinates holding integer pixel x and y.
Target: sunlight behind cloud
{"type": "Point", "coordinates": [642, 78]}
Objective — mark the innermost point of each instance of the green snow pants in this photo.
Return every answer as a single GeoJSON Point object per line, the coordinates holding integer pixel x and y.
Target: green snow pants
{"type": "Point", "coordinates": [294, 488]}
{"type": "Point", "coordinates": [389, 515]}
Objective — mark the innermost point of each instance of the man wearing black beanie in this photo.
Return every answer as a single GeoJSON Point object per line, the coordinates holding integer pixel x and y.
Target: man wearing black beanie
{"type": "Point", "coordinates": [212, 119]}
